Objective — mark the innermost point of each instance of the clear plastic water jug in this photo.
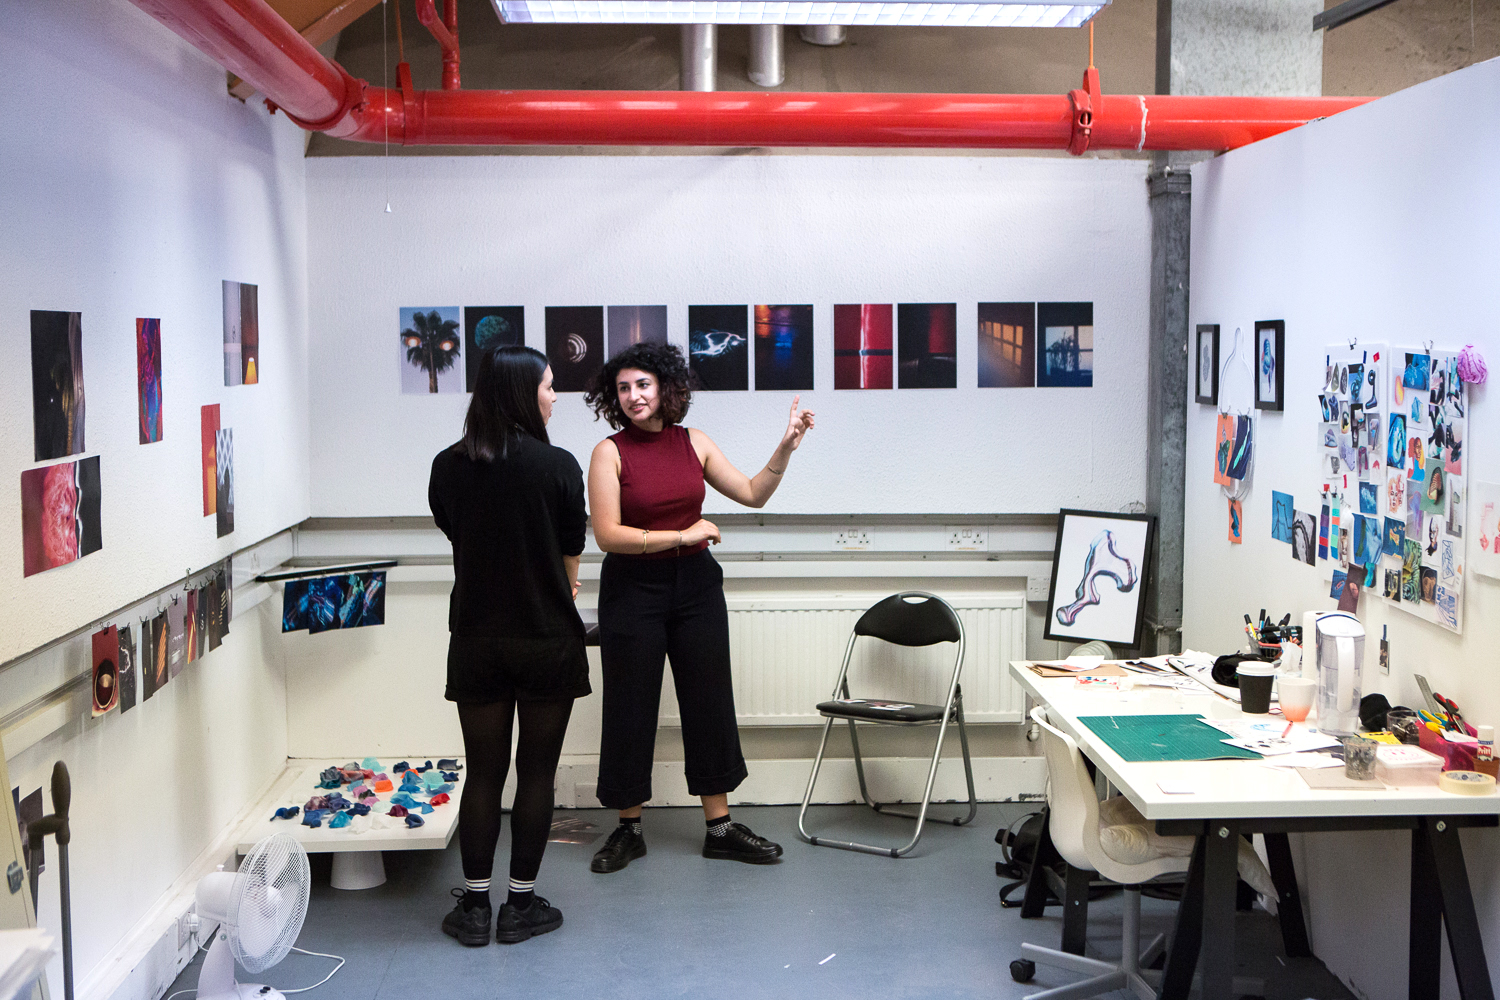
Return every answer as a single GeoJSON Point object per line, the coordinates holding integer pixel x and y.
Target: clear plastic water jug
{"type": "Point", "coordinates": [1341, 657]}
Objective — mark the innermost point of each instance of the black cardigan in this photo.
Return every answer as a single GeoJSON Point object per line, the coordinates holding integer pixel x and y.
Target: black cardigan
{"type": "Point", "coordinates": [511, 521]}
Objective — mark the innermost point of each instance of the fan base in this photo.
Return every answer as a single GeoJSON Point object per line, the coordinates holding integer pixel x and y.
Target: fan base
{"type": "Point", "coordinates": [247, 991]}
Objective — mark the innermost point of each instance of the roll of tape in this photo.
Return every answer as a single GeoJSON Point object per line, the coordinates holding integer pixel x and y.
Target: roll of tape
{"type": "Point", "coordinates": [1466, 783]}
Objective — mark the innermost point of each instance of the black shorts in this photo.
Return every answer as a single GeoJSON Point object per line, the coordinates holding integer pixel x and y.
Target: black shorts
{"type": "Point", "coordinates": [486, 669]}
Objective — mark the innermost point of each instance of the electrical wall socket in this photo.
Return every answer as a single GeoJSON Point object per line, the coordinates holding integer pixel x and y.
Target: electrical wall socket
{"type": "Point", "coordinates": [851, 538]}
{"type": "Point", "coordinates": [967, 539]}
{"type": "Point", "coordinates": [1038, 587]}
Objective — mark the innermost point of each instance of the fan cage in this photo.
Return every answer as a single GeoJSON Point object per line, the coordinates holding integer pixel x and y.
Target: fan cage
{"type": "Point", "coordinates": [269, 902]}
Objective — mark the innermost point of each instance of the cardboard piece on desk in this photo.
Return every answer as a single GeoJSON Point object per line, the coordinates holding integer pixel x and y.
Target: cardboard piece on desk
{"type": "Point", "coordinates": [1050, 672]}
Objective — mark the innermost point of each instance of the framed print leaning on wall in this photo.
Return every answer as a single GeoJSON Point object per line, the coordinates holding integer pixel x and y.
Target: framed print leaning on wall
{"type": "Point", "coordinates": [1099, 577]}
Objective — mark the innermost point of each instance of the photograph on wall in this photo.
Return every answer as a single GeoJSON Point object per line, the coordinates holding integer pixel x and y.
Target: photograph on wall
{"type": "Point", "coordinates": [224, 480]}
{"type": "Point", "coordinates": [783, 347]}
{"type": "Point", "coordinates": [225, 579]}
{"type": "Point", "coordinates": [105, 683]}
{"type": "Point", "coordinates": [208, 421]}
{"type": "Point", "coordinates": [927, 345]}
{"type": "Point", "coordinates": [154, 667]}
{"type": "Point", "coordinates": [1236, 522]}
{"type": "Point", "coordinates": [127, 669]}
{"type": "Point", "coordinates": [327, 599]}
{"type": "Point", "coordinates": [1281, 516]}
{"type": "Point", "coordinates": [57, 383]}
{"type": "Point", "coordinates": [1224, 432]}
{"type": "Point", "coordinates": [1066, 357]}
{"type": "Point", "coordinates": [363, 602]}
{"type": "Point", "coordinates": [863, 354]}
{"type": "Point", "coordinates": [1270, 349]}
{"type": "Point", "coordinates": [59, 514]}
{"type": "Point", "coordinates": [626, 326]}
{"type": "Point", "coordinates": [1208, 365]}
{"type": "Point", "coordinates": [1098, 577]}
{"type": "Point", "coordinates": [176, 636]}
{"type": "Point", "coordinates": [148, 377]}
{"type": "Point", "coordinates": [241, 333]}
{"type": "Point", "coordinates": [575, 345]}
{"type": "Point", "coordinates": [295, 605]}
{"type": "Point", "coordinates": [719, 347]}
{"type": "Point", "coordinates": [213, 624]}
{"type": "Point", "coordinates": [1007, 345]}
{"type": "Point", "coordinates": [190, 650]}
{"type": "Point", "coordinates": [1239, 454]}
{"type": "Point", "coordinates": [1305, 537]}
{"type": "Point", "coordinates": [1417, 371]}
{"type": "Point", "coordinates": [429, 350]}
{"type": "Point", "coordinates": [488, 327]}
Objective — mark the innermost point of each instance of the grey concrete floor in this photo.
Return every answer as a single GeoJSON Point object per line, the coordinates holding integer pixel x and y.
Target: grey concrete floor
{"type": "Point", "coordinates": [674, 924]}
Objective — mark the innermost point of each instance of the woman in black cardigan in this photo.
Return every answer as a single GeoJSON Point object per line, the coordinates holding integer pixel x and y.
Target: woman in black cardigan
{"type": "Point", "coordinates": [512, 505]}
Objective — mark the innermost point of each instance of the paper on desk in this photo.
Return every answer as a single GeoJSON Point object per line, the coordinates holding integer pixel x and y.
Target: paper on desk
{"type": "Point", "coordinates": [1310, 761]}
{"type": "Point", "coordinates": [1264, 736]}
{"type": "Point", "coordinates": [1073, 663]}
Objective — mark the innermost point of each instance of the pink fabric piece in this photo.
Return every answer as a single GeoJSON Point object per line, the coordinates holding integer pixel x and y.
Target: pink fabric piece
{"type": "Point", "coordinates": [1471, 367]}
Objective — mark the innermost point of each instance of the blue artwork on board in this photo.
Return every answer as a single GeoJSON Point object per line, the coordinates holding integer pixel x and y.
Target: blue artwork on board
{"type": "Point", "coordinates": [1395, 442]}
{"type": "Point", "coordinates": [1417, 366]}
{"type": "Point", "coordinates": [1337, 590]}
{"type": "Point", "coordinates": [1369, 498]}
{"type": "Point", "coordinates": [1281, 516]}
{"type": "Point", "coordinates": [1395, 537]}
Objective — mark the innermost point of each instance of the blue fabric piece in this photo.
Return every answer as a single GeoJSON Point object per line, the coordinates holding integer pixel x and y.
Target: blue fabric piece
{"type": "Point", "coordinates": [331, 783]}
{"type": "Point", "coordinates": [412, 822]}
{"type": "Point", "coordinates": [425, 808]}
{"type": "Point", "coordinates": [432, 778]}
{"type": "Point", "coordinates": [329, 774]}
{"type": "Point", "coordinates": [424, 768]}
{"type": "Point", "coordinates": [448, 764]}
{"type": "Point", "coordinates": [450, 775]}
{"type": "Point", "coordinates": [370, 764]}
{"type": "Point", "coordinates": [403, 799]}
{"type": "Point", "coordinates": [313, 817]}
{"type": "Point", "coordinates": [358, 809]}
{"type": "Point", "coordinates": [339, 821]}
{"type": "Point", "coordinates": [411, 786]}
{"type": "Point", "coordinates": [338, 803]}
{"type": "Point", "coordinates": [288, 812]}
{"type": "Point", "coordinates": [440, 789]}
{"type": "Point", "coordinates": [403, 766]}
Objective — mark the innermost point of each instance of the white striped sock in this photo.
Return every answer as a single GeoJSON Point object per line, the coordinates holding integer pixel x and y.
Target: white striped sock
{"type": "Point", "coordinates": [477, 884]}
{"type": "Point", "coordinates": [516, 885]}
{"type": "Point", "coordinates": [719, 827]}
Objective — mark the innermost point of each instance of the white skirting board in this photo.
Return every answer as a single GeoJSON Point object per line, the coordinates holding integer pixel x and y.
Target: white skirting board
{"type": "Point", "coordinates": [149, 958]}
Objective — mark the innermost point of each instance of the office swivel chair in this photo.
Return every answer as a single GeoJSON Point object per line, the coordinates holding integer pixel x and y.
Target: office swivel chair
{"type": "Point", "coordinates": [910, 618]}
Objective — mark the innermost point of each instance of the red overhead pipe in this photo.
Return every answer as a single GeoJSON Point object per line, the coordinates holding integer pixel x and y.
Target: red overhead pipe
{"type": "Point", "coordinates": [446, 35]}
{"type": "Point", "coordinates": [254, 42]}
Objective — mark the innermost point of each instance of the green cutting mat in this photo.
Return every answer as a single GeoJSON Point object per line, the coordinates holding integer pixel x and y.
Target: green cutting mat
{"type": "Point", "coordinates": [1163, 737]}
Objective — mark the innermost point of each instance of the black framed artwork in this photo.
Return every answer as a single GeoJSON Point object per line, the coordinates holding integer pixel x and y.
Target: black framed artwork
{"type": "Point", "coordinates": [1208, 363]}
{"type": "Point", "coordinates": [1270, 375]}
{"type": "Point", "coordinates": [1099, 569]}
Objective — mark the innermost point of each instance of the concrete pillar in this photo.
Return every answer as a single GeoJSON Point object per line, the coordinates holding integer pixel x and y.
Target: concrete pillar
{"type": "Point", "coordinates": [1223, 47]}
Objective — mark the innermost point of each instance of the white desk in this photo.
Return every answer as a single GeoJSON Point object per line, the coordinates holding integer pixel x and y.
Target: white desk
{"type": "Point", "coordinates": [1235, 797]}
{"type": "Point", "coordinates": [357, 856]}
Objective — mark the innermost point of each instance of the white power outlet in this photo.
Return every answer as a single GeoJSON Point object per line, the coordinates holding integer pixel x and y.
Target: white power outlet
{"type": "Point", "coordinates": [851, 538]}
{"type": "Point", "coordinates": [967, 539]}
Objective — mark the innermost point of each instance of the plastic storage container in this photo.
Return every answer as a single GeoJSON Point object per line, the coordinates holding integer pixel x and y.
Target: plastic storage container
{"type": "Point", "coordinates": [1404, 766]}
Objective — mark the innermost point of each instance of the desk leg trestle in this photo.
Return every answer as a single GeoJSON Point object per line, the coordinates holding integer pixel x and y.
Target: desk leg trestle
{"type": "Point", "coordinates": [1073, 892]}
{"type": "Point", "coordinates": [1187, 932]}
{"type": "Point", "coordinates": [1205, 918]}
{"type": "Point", "coordinates": [1440, 894]}
{"type": "Point", "coordinates": [1288, 899]}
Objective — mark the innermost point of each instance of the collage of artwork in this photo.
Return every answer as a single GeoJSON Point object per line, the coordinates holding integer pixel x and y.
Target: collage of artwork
{"type": "Point", "coordinates": [1392, 443]}
{"type": "Point", "coordinates": [336, 601]}
{"type": "Point", "coordinates": [60, 503]}
{"type": "Point", "coordinates": [875, 346]}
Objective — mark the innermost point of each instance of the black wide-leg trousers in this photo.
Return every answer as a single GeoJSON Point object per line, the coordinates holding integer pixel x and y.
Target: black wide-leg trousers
{"type": "Point", "coordinates": [652, 610]}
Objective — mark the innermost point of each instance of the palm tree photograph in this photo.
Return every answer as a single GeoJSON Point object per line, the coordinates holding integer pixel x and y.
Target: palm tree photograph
{"type": "Point", "coordinates": [430, 347]}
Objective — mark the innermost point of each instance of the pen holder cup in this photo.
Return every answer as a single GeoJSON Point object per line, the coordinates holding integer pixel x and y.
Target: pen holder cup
{"type": "Point", "coordinates": [1456, 756]}
{"type": "Point", "coordinates": [1359, 758]}
{"type": "Point", "coordinates": [1270, 651]}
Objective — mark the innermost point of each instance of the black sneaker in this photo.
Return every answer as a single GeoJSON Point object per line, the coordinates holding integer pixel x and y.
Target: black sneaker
{"type": "Point", "coordinates": [738, 843]}
{"type": "Point", "coordinates": [471, 927]}
{"type": "Point", "coordinates": [515, 925]}
{"type": "Point", "coordinates": [619, 850]}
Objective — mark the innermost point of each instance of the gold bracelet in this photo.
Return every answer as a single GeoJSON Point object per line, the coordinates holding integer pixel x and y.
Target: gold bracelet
{"type": "Point", "coordinates": [644, 533]}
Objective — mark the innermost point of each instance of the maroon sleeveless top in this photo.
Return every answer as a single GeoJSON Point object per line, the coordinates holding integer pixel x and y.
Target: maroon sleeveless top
{"type": "Point", "coordinates": [661, 484]}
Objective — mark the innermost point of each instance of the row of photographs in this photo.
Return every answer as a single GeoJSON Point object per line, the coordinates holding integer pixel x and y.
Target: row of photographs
{"type": "Point", "coordinates": [875, 346]}
{"type": "Point", "coordinates": [193, 624]}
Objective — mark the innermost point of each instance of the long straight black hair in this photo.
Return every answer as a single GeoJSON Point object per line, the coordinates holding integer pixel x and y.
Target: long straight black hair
{"type": "Point", "coordinates": [504, 403]}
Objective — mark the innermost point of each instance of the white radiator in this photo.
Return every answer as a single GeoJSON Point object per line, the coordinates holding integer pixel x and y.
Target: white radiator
{"type": "Point", "coordinates": [787, 650]}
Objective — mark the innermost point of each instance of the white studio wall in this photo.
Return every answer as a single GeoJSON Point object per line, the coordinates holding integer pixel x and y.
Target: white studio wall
{"type": "Point", "coordinates": [134, 186]}
{"type": "Point", "coordinates": [682, 231]}
{"type": "Point", "coordinates": [1377, 224]}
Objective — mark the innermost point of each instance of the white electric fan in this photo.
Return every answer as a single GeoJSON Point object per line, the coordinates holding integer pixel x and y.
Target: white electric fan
{"type": "Point", "coordinates": [259, 910]}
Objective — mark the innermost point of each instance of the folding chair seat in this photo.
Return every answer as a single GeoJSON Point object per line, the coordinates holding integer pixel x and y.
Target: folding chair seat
{"type": "Point", "coordinates": [910, 618]}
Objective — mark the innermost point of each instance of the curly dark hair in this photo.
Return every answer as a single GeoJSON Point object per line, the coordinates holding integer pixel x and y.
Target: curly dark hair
{"type": "Point", "coordinates": [665, 361]}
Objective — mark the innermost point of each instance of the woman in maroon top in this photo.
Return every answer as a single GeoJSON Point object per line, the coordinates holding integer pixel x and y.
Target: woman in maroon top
{"type": "Point", "coordinates": [661, 596]}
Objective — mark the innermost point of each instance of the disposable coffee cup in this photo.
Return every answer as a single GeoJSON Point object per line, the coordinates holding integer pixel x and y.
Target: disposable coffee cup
{"type": "Point", "coordinates": [1255, 687]}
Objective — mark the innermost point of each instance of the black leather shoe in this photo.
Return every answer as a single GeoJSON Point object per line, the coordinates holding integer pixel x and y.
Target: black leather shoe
{"type": "Point", "coordinates": [619, 850]}
{"type": "Point", "coordinates": [738, 843]}
{"type": "Point", "coordinates": [515, 925]}
{"type": "Point", "coordinates": [471, 927]}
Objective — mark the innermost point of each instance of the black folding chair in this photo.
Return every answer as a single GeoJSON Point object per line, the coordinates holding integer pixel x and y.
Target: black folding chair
{"type": "Point", "coordinates": [910, 618]}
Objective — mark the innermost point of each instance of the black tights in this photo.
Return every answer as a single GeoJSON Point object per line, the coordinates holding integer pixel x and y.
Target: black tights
{"type": "Point", "coordinates": [487, 731]}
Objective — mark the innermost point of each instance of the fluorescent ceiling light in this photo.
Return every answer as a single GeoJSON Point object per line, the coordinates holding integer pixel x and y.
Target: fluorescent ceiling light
{"type": "Point", "coordinates": [993, 13]}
